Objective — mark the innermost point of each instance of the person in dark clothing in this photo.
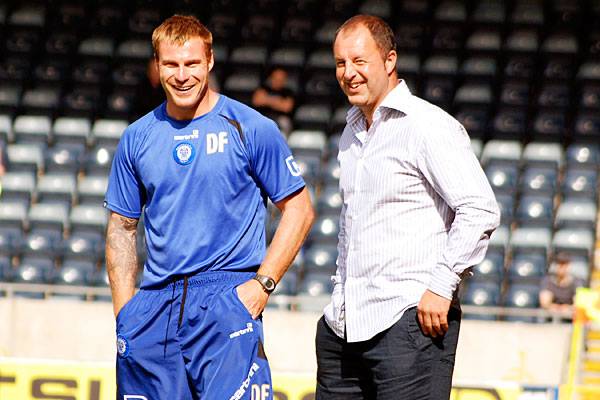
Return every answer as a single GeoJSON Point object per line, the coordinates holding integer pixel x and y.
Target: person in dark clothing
{"type": "Point", "coordinates": [275, 100]}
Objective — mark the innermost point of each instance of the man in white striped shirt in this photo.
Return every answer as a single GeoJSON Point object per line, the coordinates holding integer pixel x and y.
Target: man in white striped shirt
{"type": "Point", "coordinates": [417, 213]}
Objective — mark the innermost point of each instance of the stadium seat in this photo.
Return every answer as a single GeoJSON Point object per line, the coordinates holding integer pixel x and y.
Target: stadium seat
{"type": "Point", "coordinates": [491, 268]}
{"type": "Point", "coordinates": [502, 177]}
{"type": "Point", "coordinates": [519, 67]}
{"type": "Point", "coordinates": [13, 215]}
{"type": "Point", "coordinates": [535, 239]}
{"type": "Point", "coordinates": [481, 294]}
{"type": "Point", "coordinates": [580, 182]}
{"type": "Point", "coordinates": [307, 142]}
{"type": "Point", "coordinates": [6, 270]}
{"type": "Point", "coordinates": [26, 157]}
{"type": "Point", "coordinates": [325, 229]}
{"type": "Point", "coordinates": [576, 213]}
{"type": "Point", "coordinates": [539, 180]}
{"type": "Point", "coordinates": [91, 189]}
{"type": "Point", "coordinates": [312, 116]}
{"type": "Point", "coordinates": [144, 20]}
{"type": "Point", "coordinates": [527, 266]}
{"type": "Point", "coordinates": [90, 72]}
{"type": "Point", "coordinates": [88, 218]}
{"type": "Point", "coordinates": [242, 84]}
{"type": "Point", "coordinates": [587, 126]}
{"type": "Point", "coordinates": [100, 47]}
{"type": "Point", "coordinates": [48, 216]}
{"type": "Point", "coordinates": [330, 200]}
{"type": "Point", "coordinates": [314, 292]}
{"type": "Point", "coordinates": [583, 154]}
{"type": "Point", "coordinates": [34, 269]}
{"type": "Point", "coordinates": [573, 241]}
{"type": "Point", "coordinates": [10, 98]}
{"type": "Point", "coordinates": [510, 123]}
{"type": "Point", "coordinates": [501, 150]}
{"type": "Point", "coordinates": [549, 125]}
{"type": "Point", "coordinates": [83, 244]}
{"type": "Point", "coordinates": [32, 129]}
{"type": "Point", "coordinates": [56, 187]}
{"type": "Point", "coordinates": [99, 159]}
{"type": "Point", "coordinates": [71, 130]}
{"type": "Point", "coordinates": [64, 158]}
{"type": "Point", "coordinates": [550, 154]}
{"type": "Point", "coordinates": [499, 239]}
{"type": "Point", "coordinates": [521, 295]}
{"type": "Point", "coordinates": [506, 203]}
{"type": "Point", "coordinates": [524, 41]}
{"type": "Point", "coordinates": [321, 256]}
{"type": "Point", "coordinates": [450, 11]}
{"type": "Point", "coordinates": [19, 185]}
{"type": "Point", "coordinates": [380, 8]}
{"type": "Point", "coordinates": [535, 210]}
{"type": "Point", "coordinates": [108, 131]}
{"type": "Point", "coordinates": [250, 58]}
{"type": "Point", "coordinates": [515, 93]}
{"type": "Point", "coordinates": [290, 58]}
{"type": "Point", "coordinates": [74, 272]}
{"type": "Point", "coordinates": [135, 49]}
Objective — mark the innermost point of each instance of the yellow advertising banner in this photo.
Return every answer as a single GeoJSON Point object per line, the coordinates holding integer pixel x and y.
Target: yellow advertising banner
{"type": "Point", "coordinates": [37, 379]}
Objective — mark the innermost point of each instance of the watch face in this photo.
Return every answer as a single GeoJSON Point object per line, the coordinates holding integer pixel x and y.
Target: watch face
{"type": "Point", "coordinates": [269, 284]}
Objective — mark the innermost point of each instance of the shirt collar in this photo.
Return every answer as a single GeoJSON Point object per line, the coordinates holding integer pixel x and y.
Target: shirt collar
{"type": "Point", "coordinates": [399, 99]}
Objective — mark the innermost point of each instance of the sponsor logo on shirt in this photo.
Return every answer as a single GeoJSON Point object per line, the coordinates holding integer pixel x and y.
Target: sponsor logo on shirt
{"type": "Point", "coordinates": [292, 166]}
{"type": "Point", "coordinates": [241, 332]}
{"type": "Point", "coordinates": [134, 397]}
{"type": "Point", "coordinates": [194, 135]}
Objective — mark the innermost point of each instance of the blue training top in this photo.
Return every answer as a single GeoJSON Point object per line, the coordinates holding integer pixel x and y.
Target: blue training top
{"type": "Point", "coordinates": [202, 186]}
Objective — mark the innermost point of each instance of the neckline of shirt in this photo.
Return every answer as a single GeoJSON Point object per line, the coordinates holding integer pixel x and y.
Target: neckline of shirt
{"type": "Point", "coordinates": [178, 122]}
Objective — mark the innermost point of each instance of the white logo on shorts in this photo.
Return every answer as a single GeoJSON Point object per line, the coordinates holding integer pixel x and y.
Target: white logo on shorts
{"type": "Point", "coordinates": [134, 397]}
{"type": "Point", "coordinates": [247, 329]}
{"type": "Point", "coordinates": [240, 392]}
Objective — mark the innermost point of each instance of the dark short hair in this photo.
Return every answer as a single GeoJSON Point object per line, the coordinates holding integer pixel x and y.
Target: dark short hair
{"type": "Point", "coordinates": [379, 29]}
{"type": "Point", "coordinates": [562, 258]}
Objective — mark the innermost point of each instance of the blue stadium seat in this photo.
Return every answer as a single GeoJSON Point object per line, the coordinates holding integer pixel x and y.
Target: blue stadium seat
{"type": "Point", "coordinates": [521, 295]}
{"type": "Point", "coordinates": [330, 200]}
{"type": "Point", "coordinates": [325, 229]}
{"type": "Point", "coordinates": [580, 182]}
{"type": "Point", "coordinates": [576, 214]}
{"type": "Point", "coordinates": [491, 268]}
{"type": "Point", "coordinates": [583, 154]}
{"type": "Point", "coordinates": [321, 257]}
{"type": "Point", "coordinates": [527, 266]}
{"type": "Point", "coordinates": [502, 177]}
{"type": "Point", "coordinates": [32, 128]}
{"type": "Point", "coordinates": [535, 210]}
{"type": "Point", "coordinates": [539, 180]}
{"type": "Point", "coordinates": [482, 294]}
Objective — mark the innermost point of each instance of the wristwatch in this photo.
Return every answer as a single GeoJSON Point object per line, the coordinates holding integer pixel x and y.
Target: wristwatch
{"type": "Point", "coordinates": [266, 282]}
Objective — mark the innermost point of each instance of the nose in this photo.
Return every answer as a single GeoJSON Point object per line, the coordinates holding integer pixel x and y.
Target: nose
{"type": "Point", "coordinates": [182, 74]}
{"type": "Point", "coordinates": [349, 71]}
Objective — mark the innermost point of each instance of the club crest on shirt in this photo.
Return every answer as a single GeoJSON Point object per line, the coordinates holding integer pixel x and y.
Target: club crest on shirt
{"type": "Point", "coordinates": [122, 346]}
{"type": "Point", "coordinates": [184, 153]}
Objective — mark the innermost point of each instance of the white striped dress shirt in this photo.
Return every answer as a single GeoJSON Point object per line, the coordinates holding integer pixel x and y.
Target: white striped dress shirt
{"type": "Point", "coordinates": [417, 212]}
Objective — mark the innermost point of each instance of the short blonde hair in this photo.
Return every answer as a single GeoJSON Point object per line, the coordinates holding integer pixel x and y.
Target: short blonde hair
{"type": "Point", "coordinates": [180, 28]}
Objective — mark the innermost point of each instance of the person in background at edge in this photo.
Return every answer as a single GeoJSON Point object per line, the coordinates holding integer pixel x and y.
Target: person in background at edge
{"type": "Point", "coordinates": [199, 169]}
{"type": "Point", "coordinates": [417, 213]}
{"type": "Point", "coordinates": [275, 100]}
{"type": "Point", "coordinates": [557, 290]}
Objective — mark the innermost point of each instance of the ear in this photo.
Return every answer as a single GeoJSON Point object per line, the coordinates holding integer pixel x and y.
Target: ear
{"type": "Point", "coordinates": [211, 62]}
{"type": "Point", "coordinates": [390, 61]}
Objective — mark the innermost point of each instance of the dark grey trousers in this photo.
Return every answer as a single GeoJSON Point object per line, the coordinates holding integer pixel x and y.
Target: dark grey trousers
{"type": "Point", "coordinates": [399, 363]}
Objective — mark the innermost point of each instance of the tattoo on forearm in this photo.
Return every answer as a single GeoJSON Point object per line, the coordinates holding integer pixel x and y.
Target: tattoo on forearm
{"type": "Point", "coordinates": [121, 254]}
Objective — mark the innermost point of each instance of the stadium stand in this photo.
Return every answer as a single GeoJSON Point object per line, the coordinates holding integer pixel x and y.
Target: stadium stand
{"type": "Point", "coordinates": [523, 77]}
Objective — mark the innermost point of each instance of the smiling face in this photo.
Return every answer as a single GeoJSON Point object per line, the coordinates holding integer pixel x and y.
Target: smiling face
{"type": "Point", "coordinates": [184, 71]}
{"type": "Point", "coordinates": [364, 73]}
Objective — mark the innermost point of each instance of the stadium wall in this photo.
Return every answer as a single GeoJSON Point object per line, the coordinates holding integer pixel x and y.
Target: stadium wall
{"type": "Point", "coordinates": [489, 352]}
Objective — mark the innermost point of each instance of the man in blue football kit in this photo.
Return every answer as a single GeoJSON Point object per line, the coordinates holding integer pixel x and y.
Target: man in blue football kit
{"type": "Point", "coordinates": [199, 169]}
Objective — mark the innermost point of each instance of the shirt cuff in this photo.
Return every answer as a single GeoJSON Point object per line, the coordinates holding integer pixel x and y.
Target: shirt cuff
{"type": "Point", "coordinates": [443, 281]}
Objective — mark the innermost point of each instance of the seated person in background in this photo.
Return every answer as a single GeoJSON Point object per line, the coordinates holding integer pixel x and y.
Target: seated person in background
{"type": "Point", "coordinates": [274, 100]}
{"type": "Point", "coordinates": [558, 290]}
